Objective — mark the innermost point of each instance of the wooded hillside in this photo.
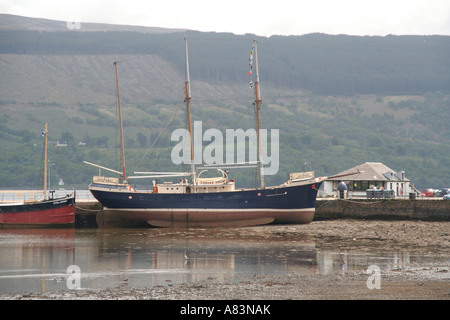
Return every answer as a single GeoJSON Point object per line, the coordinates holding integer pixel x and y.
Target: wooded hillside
{"type": "Point", "coordinates": [338, 101]}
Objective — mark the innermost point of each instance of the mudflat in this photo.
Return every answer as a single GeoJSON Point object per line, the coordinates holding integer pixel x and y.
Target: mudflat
{"type": "Point", "coordinates": [416, 282]}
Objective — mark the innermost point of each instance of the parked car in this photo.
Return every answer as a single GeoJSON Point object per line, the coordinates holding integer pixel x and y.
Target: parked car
{"type": "Point", "coordinates": [442, 192]}
{"type": "Point", "coordinates": [446, 197]}
{"type": "Point", "coordinates": [427, 192]}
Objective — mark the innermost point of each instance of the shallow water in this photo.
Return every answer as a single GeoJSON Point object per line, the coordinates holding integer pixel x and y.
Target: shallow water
{"type": "Point", "coordinates": [43, 261]}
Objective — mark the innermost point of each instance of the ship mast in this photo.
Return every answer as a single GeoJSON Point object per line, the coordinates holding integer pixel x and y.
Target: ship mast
{"type": "Point", "coordinates": [258, 102]}
{"type": "Point", "coordinates": [187, 99]}
{"type": "Point", "coordinates": [122, 148]}
{"type": "Point", "coordinates": [45, 160]}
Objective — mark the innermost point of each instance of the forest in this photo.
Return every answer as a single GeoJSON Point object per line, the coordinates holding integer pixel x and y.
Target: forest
{"type": "Point", "coordinates": [323, 64]}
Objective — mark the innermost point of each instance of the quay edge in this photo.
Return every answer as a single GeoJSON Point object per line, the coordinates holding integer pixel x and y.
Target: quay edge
{"type": "Point", "coordinates": [387, 209]}
{"type": "Point", "coordinates": [85, 214]}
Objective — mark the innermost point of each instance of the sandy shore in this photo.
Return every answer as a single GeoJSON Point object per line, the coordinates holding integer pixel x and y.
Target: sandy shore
{"type": "Point", "coordinates": [421, 282]}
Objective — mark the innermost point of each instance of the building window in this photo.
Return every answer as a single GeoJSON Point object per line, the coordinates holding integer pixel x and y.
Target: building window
{"type": "Point", "coordinates": [365, 185]}
{"type": "Point", "coordinates": [362, 185]}
{"type": "Point", "coordinates": [354, 185]}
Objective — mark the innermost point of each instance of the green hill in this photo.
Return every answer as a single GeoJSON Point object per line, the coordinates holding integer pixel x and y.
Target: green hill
{"type": "Point", "coordinates": [338, 101]}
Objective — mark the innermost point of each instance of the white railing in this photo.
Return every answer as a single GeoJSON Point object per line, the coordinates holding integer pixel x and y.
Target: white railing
{"type": "Point", "coordinates": [7, 196]}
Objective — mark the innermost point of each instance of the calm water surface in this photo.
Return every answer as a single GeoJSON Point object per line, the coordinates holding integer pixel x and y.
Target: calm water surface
{"type": "Point", "coordinates": [38, 260]}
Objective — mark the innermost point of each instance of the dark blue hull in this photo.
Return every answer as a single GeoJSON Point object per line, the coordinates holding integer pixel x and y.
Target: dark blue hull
{"type": "Point", "coordinates": [286, 204]}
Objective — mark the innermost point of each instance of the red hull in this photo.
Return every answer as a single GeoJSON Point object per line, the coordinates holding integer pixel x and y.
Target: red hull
{"type": "Point", "coordinates": [57, 216]}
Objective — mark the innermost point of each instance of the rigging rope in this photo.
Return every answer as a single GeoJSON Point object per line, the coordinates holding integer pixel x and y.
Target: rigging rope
{"type": "Point", "coordinates": [169, 124]}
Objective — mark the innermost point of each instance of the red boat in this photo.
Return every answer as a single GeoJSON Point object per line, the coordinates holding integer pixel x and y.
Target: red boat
{"type": "Point", "coordinates": [59, 212]}
{"type": "Point", "coordinates": [47, 213]}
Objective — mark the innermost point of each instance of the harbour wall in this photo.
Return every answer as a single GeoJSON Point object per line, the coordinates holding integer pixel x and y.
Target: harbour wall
{"type": "Point", "coordinates": [85, 213]}
{"type": "Point", "coordinates": [386, 209]}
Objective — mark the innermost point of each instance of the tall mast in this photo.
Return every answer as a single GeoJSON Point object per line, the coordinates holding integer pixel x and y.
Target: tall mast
{"type": "Point", "coordinates": [258, 102]}
{"type": "Point", "coordinates": [45, 160]}
{"type": "Point", "coordinates": [187, 87]}
{"type": "Point", "coordinates": [124, 176]}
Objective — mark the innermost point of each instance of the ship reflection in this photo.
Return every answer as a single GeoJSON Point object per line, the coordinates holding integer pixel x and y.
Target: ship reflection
{"type": "Point", "coordinates": [160, 256]}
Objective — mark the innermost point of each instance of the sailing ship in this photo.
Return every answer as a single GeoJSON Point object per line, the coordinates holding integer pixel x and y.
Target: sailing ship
{"type": "Point", "coordinates": [50, 212]}
{"type": "Point", "coordinates": [198, 201]}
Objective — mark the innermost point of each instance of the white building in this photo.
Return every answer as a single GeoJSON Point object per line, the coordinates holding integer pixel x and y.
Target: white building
{"type": "Point", "coordinates": [366, 176]}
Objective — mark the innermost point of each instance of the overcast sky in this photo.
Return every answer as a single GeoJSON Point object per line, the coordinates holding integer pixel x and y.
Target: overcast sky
{"type": "Point", "coordinates": [260, 17]}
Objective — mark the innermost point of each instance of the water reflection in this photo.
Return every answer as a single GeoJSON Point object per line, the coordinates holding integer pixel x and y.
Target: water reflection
{"type": "Point", "coordinates": [29, 258]}
{"type": "Point", "coordinates": [37, 260]}
{"type": "Point", "coordinates": [161, 257]}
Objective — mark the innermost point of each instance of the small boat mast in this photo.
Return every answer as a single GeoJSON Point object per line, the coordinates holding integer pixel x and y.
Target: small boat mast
{"type": "Point", "coordinates": [45, 160]}
{"type": "Point", "coordinates": [122, 148]}
{"type": "Point", "coordinates": [258, 102]}
{"type": "Point", "coordinates": [187, 99]}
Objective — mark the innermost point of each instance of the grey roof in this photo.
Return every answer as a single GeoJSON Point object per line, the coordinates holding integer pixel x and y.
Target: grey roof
{"type": "Point", "coordinates": [369, 171]}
